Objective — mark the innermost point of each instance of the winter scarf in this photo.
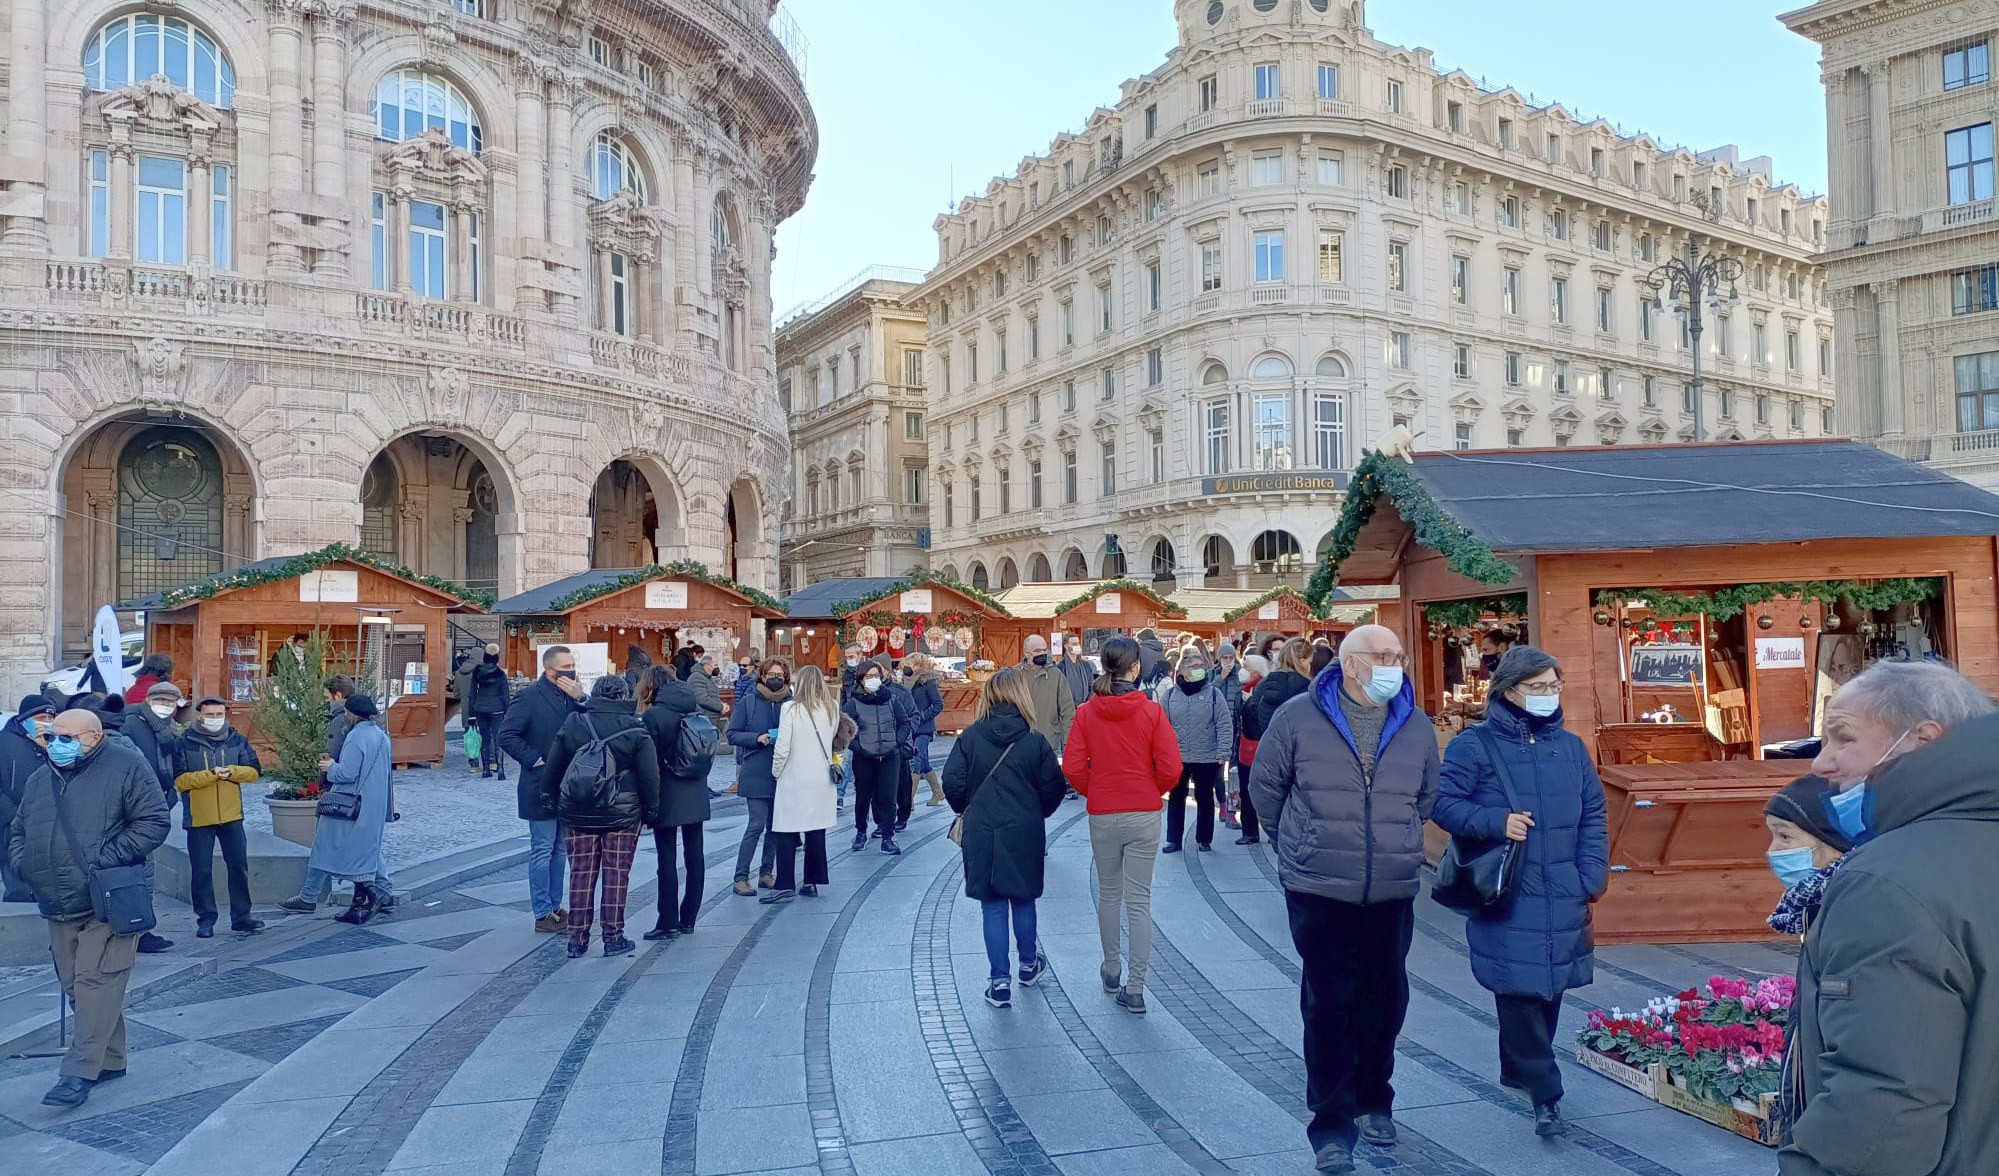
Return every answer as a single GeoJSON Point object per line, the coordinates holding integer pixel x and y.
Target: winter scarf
{"type": "Point", "coordinates": [1800, 904]}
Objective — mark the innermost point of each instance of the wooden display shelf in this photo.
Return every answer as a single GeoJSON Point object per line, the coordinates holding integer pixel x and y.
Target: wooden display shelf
{"type": "Point", "coordinates": [1687, 850]}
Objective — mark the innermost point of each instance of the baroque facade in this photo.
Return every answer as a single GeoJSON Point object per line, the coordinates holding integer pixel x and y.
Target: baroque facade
{"type": "Point", "coordinates": [1158, 349]}
{"type": "Point", "coordinates": [850, 377]}
{"type": "Point", "coordinates": [480, 285]}
{"type": "Point", "coordinates": [1913, 249]}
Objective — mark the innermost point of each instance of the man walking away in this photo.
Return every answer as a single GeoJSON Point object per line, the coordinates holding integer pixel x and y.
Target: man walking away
{"type": "Point", "coordinates": [1054, 700]}
{"type": "Point", "coordinates": [527, 735]}
{"type": "Point", "coordinates": [1348, 772]}
{"type": "Point", "coordinates": [212, 762]}
{"type": "Point", "coordinates": [491, 693]}
{"type": "Point", "coordinates": [22, 743]}
{"type": "Point", "coordinates": [1896, 1021]}
{"type": "Point", "coordinates": [685, 739]}
{"type": "Point", "coordinates": [93, 805]}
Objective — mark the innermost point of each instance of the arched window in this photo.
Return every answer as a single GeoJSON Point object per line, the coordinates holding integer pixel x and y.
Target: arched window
{"type": "Point", "coordinates": [169, 511]}
{"type": "Point", "coordinates": [133, 48]}
{"type": "Point", "coordinates": [1276, 551]}
{"type": "Point", "coordinates": [1162, 559]}
{"type": "Point", "coordinates": [720, 225]}
{"type": "Point", "coordinates": [1271, 367]}
{"type": "Point", "coordinates": [1074, 567]}
{"type": "Point", "coordinates": [1037, 569]}
{"type": "Point", "coordinates": [1009, 574]}
{"type": "Point", "coordinates": [1330, 368]}
{"type": "Point", "coordinates": [410, 102]}
{"type": "Point", "coordinates": [614, 169]}
{"type": "Point", "coordinates": [379, 495]}
{"type": "Point", "coordinates": [1214, 373]}
{"type": "Point", "coordinates": [979, 579]}
{"type": "Point", "coordinates": [1216, 557]}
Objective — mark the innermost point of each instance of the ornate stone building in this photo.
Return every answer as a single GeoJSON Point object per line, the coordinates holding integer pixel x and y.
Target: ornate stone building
{"type": "Point", "coordinates": [1159, 347]}
{"type": "Point", "coordinates": [1913, 246]}
{"type": "Point", "coordinates": [481, 285]}
{"type": "Point", "coordinates": [850, 376]}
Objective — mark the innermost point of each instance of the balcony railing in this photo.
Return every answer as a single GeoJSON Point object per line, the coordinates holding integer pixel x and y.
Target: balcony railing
{"type": "Point", "coordinates": [1952, 216]}
{"type": "Point", "coordinates": [1336, 107]}
{"type": "Point", "coordinates": [1269, 295]}
{"type": "Point", "coordinates": [1266, 108]}
{"type": "Point", "coordinates": [424, 319]}
{"type": "Point", "coordinates": [168, 289]}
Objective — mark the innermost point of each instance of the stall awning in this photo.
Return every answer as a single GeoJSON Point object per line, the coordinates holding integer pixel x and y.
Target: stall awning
{"type": "Point", "coordinates": [817, 600]}
{"type": "Point", "coordinates": [290, 567]}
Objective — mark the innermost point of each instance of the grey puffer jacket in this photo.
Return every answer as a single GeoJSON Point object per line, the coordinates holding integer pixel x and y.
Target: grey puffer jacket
{"type": "Point", "coordinates": [1343, 832]}
{"type": "Point", "coordinates": [707, 692]}
{"type": "Point", "coordinates": [114, 805]}
{"type": "Point", "coordinates": [1202, 723]}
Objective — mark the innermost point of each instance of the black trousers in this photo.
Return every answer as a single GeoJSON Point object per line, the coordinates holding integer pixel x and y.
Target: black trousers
{"type": "Point", "coordinates": [489, 741]}
{"type": "Point", "coordinates": [787, 858]}
{"type": "Point", "coordinates": [1354, 996]}
{"type": "Point", "coordinates": [1204, 777]}
{"type": "Point", "coordinates": [1527, 1046]}
{"type": "Point", "coordinates": [669, 873]}
{"type": "Point", "coordinates": [877, 783]}
{"type": "Point", "coordinates": [1246, 813]}
{"type": "Point", "coordinates": [905, 804]}
{"type": "Point", "coordinates": [201, 843]}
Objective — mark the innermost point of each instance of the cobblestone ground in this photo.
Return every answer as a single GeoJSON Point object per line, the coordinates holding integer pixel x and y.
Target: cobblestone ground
{"type": "Point", "coordinates": [842, 1034]}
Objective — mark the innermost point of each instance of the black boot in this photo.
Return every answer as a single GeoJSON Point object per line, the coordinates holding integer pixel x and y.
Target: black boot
{"type": "Point", "coordinates": [361, 909]}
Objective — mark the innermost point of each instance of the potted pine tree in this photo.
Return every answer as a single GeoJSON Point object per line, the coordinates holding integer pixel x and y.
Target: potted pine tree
{"type": "Point", "coordinates": [291, 716]}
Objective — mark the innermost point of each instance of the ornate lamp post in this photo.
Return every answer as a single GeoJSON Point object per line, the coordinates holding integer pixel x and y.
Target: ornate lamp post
{"type": "Point", "coordinates": [1694, 284]}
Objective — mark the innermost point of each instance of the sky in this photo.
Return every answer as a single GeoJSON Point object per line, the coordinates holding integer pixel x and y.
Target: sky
{"type": "Point", "coordinates": [921, 102]}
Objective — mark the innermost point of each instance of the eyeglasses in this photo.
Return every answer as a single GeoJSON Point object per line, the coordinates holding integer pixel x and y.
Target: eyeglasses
{"type": "Point", "coordinates": [1381, 657]}
{"type": "Point", "coordinates": [1541, 689]}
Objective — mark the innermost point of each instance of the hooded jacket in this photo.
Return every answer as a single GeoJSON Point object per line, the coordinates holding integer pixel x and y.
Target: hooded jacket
{"type": "Point", "coordinates": [115, 807]}
{"type": "Point", "coordinates": [1277, 688]}
{"type": "Point", "coordinates": [491, 690]}
{"type": "Point", "coordinates": [635, 799]}
{"type": "Point", "coordinates": [1344, 832]}
{"type": "Point", "coordinates": [928, 696]}
{"type": "Point", "coordinates": [1152, 665]}
{"type": "Point", "coordinates": [20, 758]}
{"type": "Point", "coordinates": [884, 721]}
{"type": "Point", "coordinates": [1003, 777]}
{"type": "Point", "coordinates": [683, 800]}
{"type": "Point", "coordinates": [1122, 755]}
{"type": "Point", "coordinates": [1896, 1021]}
{"type": "Point", "coordinates": [212, 770]}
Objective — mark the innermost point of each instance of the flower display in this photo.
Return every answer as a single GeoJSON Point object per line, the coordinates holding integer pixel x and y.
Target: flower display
{"type": "Point", "coordinates": [1722, 1042]}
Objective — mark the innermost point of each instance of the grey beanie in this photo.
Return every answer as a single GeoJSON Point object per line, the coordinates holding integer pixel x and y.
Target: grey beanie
{"type": "Point", "coordinates": [1520, 663]}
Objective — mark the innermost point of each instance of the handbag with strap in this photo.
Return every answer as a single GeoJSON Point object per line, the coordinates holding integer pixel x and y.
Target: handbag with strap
{"type": "Point", "coordinates": [120, 896]}
{"type": "Point", "coordinates": [833, 771]}
{"type": "Point", "coordinates": [957, 833]}
{"type": "Point", "coordinates": [1479, 879]}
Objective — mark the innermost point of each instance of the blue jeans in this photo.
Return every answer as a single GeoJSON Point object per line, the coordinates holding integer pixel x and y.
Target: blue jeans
{"type": "Point", "coordinates": [548, 867]}
{"type": "Point", "coordinates": [922, 766]}
{"type": "Point", "coordinates": [996, 911]}
{"type": "Point", "coordinates": [846, 773]}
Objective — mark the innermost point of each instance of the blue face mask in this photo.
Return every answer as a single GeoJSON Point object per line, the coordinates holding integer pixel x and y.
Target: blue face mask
{"type": "Point", "coordinates": [1542, 705]}
{"type": "Point", "coordinates": [42, 726]}
{"type": "Point", "coordinates": [64, 751]}
{"type": "Point", "coordinates": [1847, 809]}
{"type": "Point", "coordinates": [1791, 866]}
{"type": "Point", "coordinates": [1384, 685]}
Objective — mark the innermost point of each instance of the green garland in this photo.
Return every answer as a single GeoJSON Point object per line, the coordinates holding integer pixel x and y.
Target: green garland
{"type": "Point", "coordinates": [298, 565]}
{"type": "Point", "coordinates": [884, 619]}
{"type": "Point", "coordinates": [1378, 475]}
{"type": "Point", "coordinates": [1278, 593]}
{"type": "Point", "coordinates": [1166, 607]}
{"type": "Point", "coordinates": [1464, 614]}
{"type": "Point", "coordinates": [922, 579]}
{"type": "Point", "coordinates": [687, 569]}
{"type": "Point", "coordinates": [1724, 603]}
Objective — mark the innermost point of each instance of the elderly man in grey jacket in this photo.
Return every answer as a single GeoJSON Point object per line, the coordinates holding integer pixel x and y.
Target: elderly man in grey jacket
{"type": "Point", "coordinates": [109, 798]}
{"type": "Point", "coordinates": [1348, 772]}
{"type": "Point", "coordinates": [1054, 703]}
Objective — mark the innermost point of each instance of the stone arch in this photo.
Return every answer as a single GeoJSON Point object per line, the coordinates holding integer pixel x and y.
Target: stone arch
{"type": "Point", "coordinates": [637, 514]}
{"type": "Point", "coordinates": [1038, 570]}
{"type": "Point", "coordinates": [1075, 566]}
{"type": "Point", "coordinates": [234, 25]}
{"type": "Point", "coordinates": [950, 572]}
{"type": "Point", "coordinates": [1009, 573]}
{"type": "Point", "coordinates": [979, 579]}
{"type": "Point", "coordinates": [653, 146]}
{"type": "Point", "coordinates": [1333, 366]}
{"type": "Point", "coordinates": [1213, 372]}
{"type": "Point", "coordinates": [1112, 565]}
{"type": "Point", "coordinates": [488, 92]}
{"type": "Point", "coordinates": [1271, 365]}
{"type": "Point", "coordinates": [1161, 561]}
{"type": "Point", "coordinates": [1218, 560]}
{"type": "Point", "coordinates": [745, 526]}
{"type": "Point", "coordinates": [457, 512]}
{"type": "Point", "coordinates": [1276, 557]}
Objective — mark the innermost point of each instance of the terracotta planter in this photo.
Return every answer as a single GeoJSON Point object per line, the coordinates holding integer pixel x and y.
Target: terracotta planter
{"type": "Point", "coordinates": [294, 820]}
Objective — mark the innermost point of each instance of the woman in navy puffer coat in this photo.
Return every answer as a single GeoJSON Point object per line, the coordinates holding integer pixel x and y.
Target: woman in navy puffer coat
{"type": "Point", "coordinates": [1542, 945]}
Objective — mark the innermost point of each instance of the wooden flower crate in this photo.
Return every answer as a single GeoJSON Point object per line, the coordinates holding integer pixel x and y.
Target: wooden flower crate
{"type": "Point", "coordinates": [1644, 1080]}
{"type": "Point", "coordinates": [1755, 1121]}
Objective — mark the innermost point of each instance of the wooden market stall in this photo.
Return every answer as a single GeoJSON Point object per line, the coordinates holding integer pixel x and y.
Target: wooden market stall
{"type": "Point", "coordinates": [1237, 613]}
{"type": "Point", "coordinates": [1703, 600]}
{"type": "Point", "coordinates": [924, 612]}
{"type": "Point", "coordinates": [657, 608]}
{"type": "Point", "coordinates": [224, 633]}
{"type": "Point", "coordinates": [1097, 611]}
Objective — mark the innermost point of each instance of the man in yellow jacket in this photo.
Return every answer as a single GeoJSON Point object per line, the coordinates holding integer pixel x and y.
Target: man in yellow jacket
{"type": "Point", "coordinates": [212, 762]}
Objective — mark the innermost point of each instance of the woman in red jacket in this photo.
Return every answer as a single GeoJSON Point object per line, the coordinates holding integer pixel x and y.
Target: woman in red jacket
{"type": "Point", "coordinates": [1141, 764]}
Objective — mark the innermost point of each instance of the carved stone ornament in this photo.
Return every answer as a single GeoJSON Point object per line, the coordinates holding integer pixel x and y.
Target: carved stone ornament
{"type": "Point", "coordinates": [160, 371]}
{"type": "Point", "coordinates": [625, 223]}
{"type": "Point", "coordinates": [648, 419]}
{"type": "Point", "coordinates": [439, 38]}
{"type": "Point", "coordinates": [732, 276]}
{"type": "Point", "coordinates": [433, 155]}
{"type": "Point", "coordinates": [449, 389]}
{"type": "Point", "coordinates": [158, 104]}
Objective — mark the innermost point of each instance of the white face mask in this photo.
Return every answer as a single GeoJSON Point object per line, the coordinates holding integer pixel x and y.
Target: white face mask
{"type": "Point", "coordinates": [214, 725]}
{"type": "Point", "coordinates": [162, 709]}
{"type": "Point", "coordinates": [853, 661]}
{"type": "Point", "coordinates": [871, 684]}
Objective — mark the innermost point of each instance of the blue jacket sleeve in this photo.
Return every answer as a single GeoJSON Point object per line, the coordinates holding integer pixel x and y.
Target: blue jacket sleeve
{"type": "Point", "coordinates": [1461, 809]}
{"type": "Point", "coordinates": [1593, 838]}
{"type": "Point", "coordinates": [741, 736]}
{"type": "Point", "coordinates": [513, 736]}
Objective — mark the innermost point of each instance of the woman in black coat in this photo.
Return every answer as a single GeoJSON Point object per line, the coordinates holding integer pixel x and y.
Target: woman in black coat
{"type": "Point", "coordinates": [604, 834]}
{"type": "Point", "coordinates": [1002, 776]}
{"type": "Point", "coordinates": [1290, 675]}
{"type": "Point", "coordinates": [664, 702]}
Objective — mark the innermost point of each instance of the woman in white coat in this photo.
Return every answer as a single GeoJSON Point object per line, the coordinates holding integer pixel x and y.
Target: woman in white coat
{"type": "Point", "coordinates": [805, 806]}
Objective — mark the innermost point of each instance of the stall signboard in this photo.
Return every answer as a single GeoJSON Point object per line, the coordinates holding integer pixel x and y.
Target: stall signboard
{"type": "Point", "coordinates": [666, 594]}
{"type": "Point", "coordinates": [1110, 602]}
{"type": "Point", "coordinates": [916, 600]}
{"type": "Point", "coordinates": [1780, 653]}
{"type": "Point", "coordinates": [330, 586]}
{"type": "Point", "coordinates": [1665, 665]}
{"type": "Point", "coordinates": [1270, 612]}
{"type": "Point", "coordinates": [593, 660]}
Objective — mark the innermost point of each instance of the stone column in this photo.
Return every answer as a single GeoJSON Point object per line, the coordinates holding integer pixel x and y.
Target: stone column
{"type": "Point", "coordinates": [1887, 323]}
{"type": "Point", "coordinates": [122, 197]}
{"type": "Point", "coordinates": [1882, 166]}
{"type": "Point", "coordinates": [287, 164]}
{"type": "Point", "coordinates": [1839, 146]}
{"type": "Point", "coordinates": [461, 251]}
{"type": "Point", "coordinates": [702, 280]}
{"type": "Point", "coordinates": [200, 206]}
{"type": "Point", "coordinates": [329, 113]}
{"type": "Point", "coordinates": [400, 270]}
{"type": "Point", "coordinates": [531, 196]}
{"type": "Point", "coordinates": [27, 124]}
{"type": "Point", "coordinates": [562, 182]}
{"type": "Point", "coordinates": [643, 274]}
{"type": "Point", "coordinates": [600, 263]}
{"type": "Point", "coordinates": [681, 295]}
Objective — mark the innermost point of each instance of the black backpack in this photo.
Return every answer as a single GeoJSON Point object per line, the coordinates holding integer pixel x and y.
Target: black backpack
{"type": "Point", "coordinates": [590, 782]}
{"type": "Point", "coordinates": [693, 751]}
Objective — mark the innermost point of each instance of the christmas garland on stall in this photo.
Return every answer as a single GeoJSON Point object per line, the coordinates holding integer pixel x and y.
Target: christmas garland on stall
{"type": "Point", "coordinates": [1278, 593]}
{"type": "Point", "coordinates": [292, 567]}
{"type": "Point", "coordinates": [915, 623]}
{"type": "Point", "coordinates": [921, 579]}
{"type": "Point", "coordinates": [1464, 614]}
{"type": "Point", "coordinates": [1378, 475]}
{"type": "Point", "coordinates": [1723, 603]}
{"type": "Point", "coordinates": [683, 569]}
{"type": "Point", "coordinates": [1166, 607]}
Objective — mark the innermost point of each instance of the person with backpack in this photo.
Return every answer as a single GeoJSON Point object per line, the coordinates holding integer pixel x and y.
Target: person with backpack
{"type": "Point", "coordinates": [885, 723]}
{"type": "Point", "coordinates": [685, 738]}
{"type": "Point", "coordinates": [491, 693]}
{"type": "Point", "coordinates": [752, 731]}
{"type": "Point", "coordinates": [603, 780]}
{"type": "Point", "coordinates": [1205, 728]}
{"type": "Point", "coordinates": [805, 807]}
{"type": "Point", "coordinates": [1003, 780]}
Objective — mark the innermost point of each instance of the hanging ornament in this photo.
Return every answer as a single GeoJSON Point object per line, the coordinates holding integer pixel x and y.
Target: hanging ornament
{"type": "Point", "coordinates": [1868, 628]}
{"type": "Point", "coordinates": [1602, 617]}
{"type": "Point", "coordinates": [1765, 621]}
{"type": "Point", "coordinates": [1831, 621]}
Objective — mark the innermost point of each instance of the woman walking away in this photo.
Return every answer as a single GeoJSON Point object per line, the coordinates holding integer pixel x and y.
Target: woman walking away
{"type": "Point", "coordinates": [752, 731]}
{"type": "Point", "coordinates": [491, 693]}
{"type": "Point", "coordinates": [603, 780]}
{"type": "Point", "coordinates": [1806, 849]}
{"type": "Point", "coordinates": [1003, 778]}
{"type": "Point", "coordinates": [352, 850]}
{"type": "Point", "coordinates": [1290, 673]}
{"type": "Point", "coordinates": [1140, 765]}
{"type": "Point", "coordinates": [1541, 945]}
{"type": "Point", "coordinates": [886, 729]}
{"type": "Point", "coordinates": [685, 739]}
{"type": "Point", "coordinates": [806, 804]}
{"type": "Point", "coordinates": [929, 699]}
{"type": "Point", "coordinates": [1204, 726]}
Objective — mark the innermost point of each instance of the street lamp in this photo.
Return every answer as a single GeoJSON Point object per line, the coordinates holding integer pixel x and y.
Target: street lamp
{"type": "Point", "coordinates": [1694, 284]}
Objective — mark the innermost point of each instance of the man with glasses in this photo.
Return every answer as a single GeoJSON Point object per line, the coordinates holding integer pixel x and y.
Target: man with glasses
{"type": "Point", "coordinates": [1347, 772]}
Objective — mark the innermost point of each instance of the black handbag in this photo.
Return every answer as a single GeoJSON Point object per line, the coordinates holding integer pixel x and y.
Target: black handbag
{"type": "Point", "coordinates": [341, 804]}
{"type": "Point", "coordinates": [120, 896]}
{"type": "Point", "coordinates": [1479, 879]}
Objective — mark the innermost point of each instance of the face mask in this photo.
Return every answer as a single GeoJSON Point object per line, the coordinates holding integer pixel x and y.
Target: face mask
{"type": "Point", "coordinates": [774, 683]}
{"type": "Point", "coordinates": [1384, 685]}
{"type": "Point", "coordinates": [1488, 662]}
{"type": "Point", "coordinates": [43, 727]}
{"type": "Point", "coordinates": [566, 675]}
{"type": "Point", "coordinates": [1040, 659]}
{"type": "Point", "coordinates": [1196, 675]}
{"type": "Point", "coordinates": [162, 710]}
{"type": "Point", "coordinates": [1848, 809]}
{"type": "Point", "coordinates": [1542, 705]}
{"type": "Point", "coordinates": [871, 684]}
{"type": "Point", "coordinates": [853, 661]}
{"type": "Point", "coordinates": [1076, 654]}
{"type": "Point", "coordinates": [1791, 866]}
{"type": "Point", "coordinates": [64, 750]}
{"type": "Point", "coordinates": [214, 725]}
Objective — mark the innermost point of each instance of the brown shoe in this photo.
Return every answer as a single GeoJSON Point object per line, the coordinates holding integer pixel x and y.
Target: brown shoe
{"type": "Point", "coordinates": [729, 791]}
{"type": "Point", "coordinates": [745, 890]}
{"type": "Point", "coordinates": [548, 924]}
{"type": "Point", "coordinates": [767, 881]}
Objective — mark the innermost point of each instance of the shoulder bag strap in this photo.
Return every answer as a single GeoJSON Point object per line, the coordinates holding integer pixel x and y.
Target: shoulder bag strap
{"type": "Point", "coordinates": [1504, 774]}
{"type": "Point", "coordinates": [69, 831]}
{"type": "Point", "coordinates": [813, 719]}
{"type": "Point", "coordinates": [987, 778]}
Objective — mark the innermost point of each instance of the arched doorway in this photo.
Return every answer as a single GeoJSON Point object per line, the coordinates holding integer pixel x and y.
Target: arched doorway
{"type": "Point", "coordinates": [1075, 568]}
{"type": "Point", "coordinates": [1161, 559]}
{"type": "Point", "coordinates": [1037, 569]}
{"type": "Point", "coordinates": [1217, 561]}
{"type": "Point", "coordinates": [950, 572]}
{"type": "Point", "coordinates": [635, 517]}
{"type": "Point", "coordinates": [979, 577]}
{"type": "Point", "coordinates": [380, 494]}
{"type": "Point", "coordinates": [743, 522]}
{"type": "Point", "coordinates": [169, 511]}
{"type": "Point", "coordinates": [433, 503]}
{"type": "Point", "coordinates": [1276, 558]}
{"type": "Point", "coordinates": [1009, 573]}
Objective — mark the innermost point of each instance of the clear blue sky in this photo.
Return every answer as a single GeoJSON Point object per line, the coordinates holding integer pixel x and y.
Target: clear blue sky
{"type": "Point", "coordinates": [910, 93]}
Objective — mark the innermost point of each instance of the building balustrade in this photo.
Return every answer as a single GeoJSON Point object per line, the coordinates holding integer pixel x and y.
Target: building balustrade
{"type": "Point", "coordinates": [188, 291]}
